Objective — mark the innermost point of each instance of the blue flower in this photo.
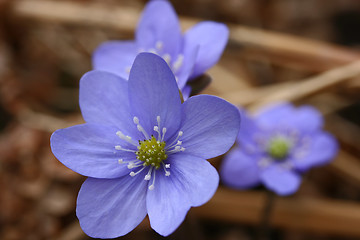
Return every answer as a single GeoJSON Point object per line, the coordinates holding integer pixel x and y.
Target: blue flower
{"type": "Point", "coordinates": [276, 146]}
{"type": "Point", "coordinates": [143, 150]}
{"type": "Point", "coordinates": [188, 55]}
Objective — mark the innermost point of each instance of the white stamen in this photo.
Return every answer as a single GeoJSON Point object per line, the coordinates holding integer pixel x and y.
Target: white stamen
{"type": "Point", "coordinates": [121, 161]}
{"type": "Point", "coordinates": [135, 173]}
{"type": "Point", "coordinates": [167, 58]}
{"type": "Point", "coordinates": [151, 187]}
{"type": "Point", "coordinates": [163, 132]}
{"type": "Point", "coordinates": [140, 128]}
{"type": "Point", "coordinates": [167, 173]}
{"type": "Point", "coordinates": [178, 63]}
{"type": "Point", "coordinates": [158, 127]}
{"type": "Point", "coordinates": [127, 69]}
{"type": "Point", "coordinates": [148, 175]}
{"type": "Point", "coordinates": [180, 133]}
{"type": "Point", "coordinates": [159, 45]}
{"type": "Point", "coordinates": [264, 162]}
{"type": "Point", "coordinates": [118, 147]}
{"type": "Point", "coordinates": [299, 154]}
{"type": "Point", "coordinates": [134, 164]}
{"type": "Point", "coordinates": [176, 149]}
{"type": "Point", "coordinates": [167, 165]}
{"type": "Point", "coordinates": [152, 50]}
{"type": "Point", "coordinates": [126, 138]}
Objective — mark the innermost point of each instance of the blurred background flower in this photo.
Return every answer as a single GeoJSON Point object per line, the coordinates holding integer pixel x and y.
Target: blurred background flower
{"type": "Point", "coordinates": [189, 55]}
{"type": "Point", "coordinates": [276, 146]}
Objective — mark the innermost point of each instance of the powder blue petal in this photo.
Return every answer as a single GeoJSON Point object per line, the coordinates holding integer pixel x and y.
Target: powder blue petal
{"type": "Point", "coordinates": [280, 180]}
{"type": "Point", "coordinates": [159, 22]}
{"type": "Point", "coordinates": [240, 170]}
{"type": "Point", "coordinates": [248, 130]}
{"type": "Point", "coordinates": [88, 149]}
{"type": "Point", "coordinates": [109, 208]}
{"type": "Point", "coordinates": [104, 99]}
{"type": "Point", "coordinates": [185, 71]}
{"type": "Point", "coordinates": [115, 57]}
{"type": "Point", "coordinates": [275, 115]}
{"type": "Point", "coordinates": [153, 92]}
{"type": "Point", "coordinates": [211, 37]}
{"type": "Point", "coordinates": [322, 149]}
{"type": "Point", "coordinates": [210, 125]}
{"type": "Point", "coordinates": [305, 119]}
{"type": "Point", "coordinates": [193, 181]}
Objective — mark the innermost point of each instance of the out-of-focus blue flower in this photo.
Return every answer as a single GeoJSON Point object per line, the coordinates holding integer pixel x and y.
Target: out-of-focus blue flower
{"type": "Point", "coordinates": [188, 55]}
{"type": "Point", "coordinates": [143, 150]}
{"type": "Point", "coordinates": [276, 146]}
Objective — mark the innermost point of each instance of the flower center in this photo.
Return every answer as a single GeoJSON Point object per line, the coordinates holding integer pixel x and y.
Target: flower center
{"type": "Point", "coordinates": [151, 152]}
{"type": "Point", "coordinates": [278, 148]}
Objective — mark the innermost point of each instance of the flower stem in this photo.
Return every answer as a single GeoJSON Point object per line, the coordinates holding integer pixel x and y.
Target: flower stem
{"type": "Point", "coordinates": [263, 227]}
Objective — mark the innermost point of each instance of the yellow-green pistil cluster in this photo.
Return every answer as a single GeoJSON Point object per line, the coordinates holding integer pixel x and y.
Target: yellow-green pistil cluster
{"type": "Point", "coordinates": [278, 148]}
{"type": "Point", "coordinates": [151, 152]}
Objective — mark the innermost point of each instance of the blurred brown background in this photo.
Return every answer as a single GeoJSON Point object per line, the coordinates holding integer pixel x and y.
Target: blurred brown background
{"type": "Point", "coordinates": [301, 51]}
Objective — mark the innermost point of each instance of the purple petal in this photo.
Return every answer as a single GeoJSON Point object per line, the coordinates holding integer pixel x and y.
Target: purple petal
{"type": "Point", "coordinates": [159, 23]}
{"type": "Point", "coordinates": [210, 125]}
{"type": "Point", "coordinates": [88, 149]}
{"type": "Point", "coordinates": [193, 181]}
{"type": "Point", "coordinates": [274, 115]}
{"type": "Point", "coordinates": [211, 37]}
{"type": "Point", "coordinates": [153, 92]}
{"type": "Point", "coordinates": [115, 57]}
{"type": "Point", "coordinates": [305, 118]}
{"type": "Point", "coordinates": [280, 180]}
{"type": "Point", "coordinates": [104, 99]}
{"type": "Point", "coordinates": [109, 208]}
{"type": "Point", "coordinates": [248, 129]}
{"type": "Point", "coordinates": [240, 170]}
{"type": "Point", "coordinates": [185, 71]}
{"type": "Point", "coordinates": [321, 150]}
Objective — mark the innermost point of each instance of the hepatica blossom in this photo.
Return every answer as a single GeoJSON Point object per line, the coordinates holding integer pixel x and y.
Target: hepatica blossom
{"type": "Point", "coordinates": [276, 146]}
{"type": "Point", "coordinates": [142, 149]}
{"type": "Point", "coordinates": [159, 32]}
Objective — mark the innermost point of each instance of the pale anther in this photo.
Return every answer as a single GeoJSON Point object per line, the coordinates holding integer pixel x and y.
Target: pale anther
{"type": "Point", "coordinates": [159, 45]}
{"type": "Point", "coordinates": [178, 63]}
{"type": "Point", "coordinates": [167, 58]}
{"type": "Point", "coordinates": [152, 50]}
{"type": "Point", "coordinates": [127, 69]}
